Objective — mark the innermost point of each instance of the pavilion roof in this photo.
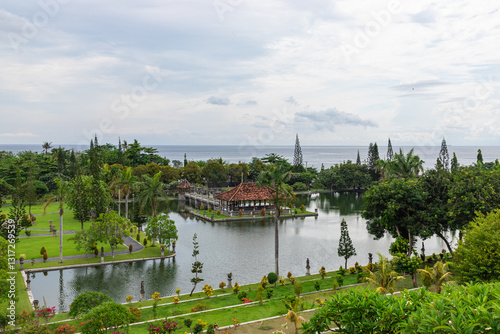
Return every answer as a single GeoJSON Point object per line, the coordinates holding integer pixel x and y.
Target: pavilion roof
{"type": "Point", "coordinates": [184, 184]}
{"type": "Point", "coordinates": [247, 191]}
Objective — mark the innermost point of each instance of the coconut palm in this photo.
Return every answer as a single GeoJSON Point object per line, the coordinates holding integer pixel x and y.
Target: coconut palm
{"type": "Point", "coordinates": [384, 277]}
{"type": "Point", "coordinates": [276, 178]}
{"type": "Point", "coordinates": [46, 146]}
{"type": "Point", "coordinates": [62, 188]}
{"type": "Point", "coordinates": [436, 275]}
{"type": "Point", "coordinates": [401, 166]}
{"type": "Point", "coordinates": [150, 189]}
{"type": "Point", "coordinates": [127, 183]}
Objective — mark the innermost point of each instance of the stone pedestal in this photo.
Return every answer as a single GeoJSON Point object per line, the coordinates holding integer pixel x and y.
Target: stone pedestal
{"type": "Point", "coordinates": [102, 254]}
{"type": "Point", "coordinates": [21, 267]}
{"type": "Point", "coordinates": [212, 217]}
{"type": "Point", "coordinates": [35, 304]}
{"type": "Point", "coordinates": [28, 281]}
{"type": "Point", "coordinates": [162, 252]}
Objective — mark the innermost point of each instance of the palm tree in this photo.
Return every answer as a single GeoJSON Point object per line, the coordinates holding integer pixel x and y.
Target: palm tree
{"type": "Point", "coordinates": [276, 178]}
{"type": "Point", "coordinates": [127, 183]}
{"type": "Point", "coordinates": [401, 166]}
{"type": "Point", "coordinates": [62, 187]}
{"type": "Point", "coordinates": [150, 189]}
{"type": "Point", "coordinates": [436, 275]}
{"type": "Point", "coordinates": [46, 146]}
{"type": "Point", "coordinates": [384, 278]}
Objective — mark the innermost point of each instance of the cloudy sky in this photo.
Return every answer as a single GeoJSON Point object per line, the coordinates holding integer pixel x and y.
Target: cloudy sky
{"type": "Point", "coordinates": [232, 72]}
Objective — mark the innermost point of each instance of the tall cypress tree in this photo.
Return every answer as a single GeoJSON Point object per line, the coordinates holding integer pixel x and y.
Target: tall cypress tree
{"type": "Point", "coordinates": [120, 151]}
{"type": "Point", "coordinates": [444, 156]}
{"type": "Point", "coordinates": [454, 163]}
{"type": "Point", "coordinates": [346, 248]}
{"type": "Point", "coordinates": [373, 156]}
{"type": "Point", "coordinates": [390, 153]}
{"type": "Point", "coordinates": [479, 158]}
{"type": "Point", "coordinates": [358, 160]}
{"type": "Point", "coordinates": [297, 156]}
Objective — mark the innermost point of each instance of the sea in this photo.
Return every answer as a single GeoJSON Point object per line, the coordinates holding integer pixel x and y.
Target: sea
{"type": "Point", "coordinates": [313, 156]}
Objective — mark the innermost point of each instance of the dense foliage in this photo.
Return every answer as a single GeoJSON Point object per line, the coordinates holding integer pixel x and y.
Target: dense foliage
{"type": "Point", "coordinates": [478, 253]}
{"type": "Point", "coordinates": [87, 301]}
{"type": "Point", "coordinates": [459, 309]}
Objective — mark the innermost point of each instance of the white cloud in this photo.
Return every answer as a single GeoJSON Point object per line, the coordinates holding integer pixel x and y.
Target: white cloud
{"type": "Point", "coordinates": [420, 64]}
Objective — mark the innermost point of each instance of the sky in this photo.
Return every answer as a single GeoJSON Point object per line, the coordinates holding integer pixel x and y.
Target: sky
{"type": "Point", "coordinates": [239, 72]}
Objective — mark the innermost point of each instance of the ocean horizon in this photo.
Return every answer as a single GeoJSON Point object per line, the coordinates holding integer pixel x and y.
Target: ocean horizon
{"type": "Point", "coordinates": [313, 156]}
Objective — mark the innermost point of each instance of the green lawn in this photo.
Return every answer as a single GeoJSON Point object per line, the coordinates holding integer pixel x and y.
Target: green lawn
{"type": "Point", "coordinates": [209, 214]}
{"type": "Point", "coordinates": [69, 222]}
{"type": "Point", "coordinates": [148, 252]}
{"type": "Point", "coordinates": [22, 302]}
{"type": "Point", "coordinates": [31, 246]}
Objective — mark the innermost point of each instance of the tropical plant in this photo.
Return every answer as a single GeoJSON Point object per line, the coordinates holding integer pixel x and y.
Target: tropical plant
{"type": "Point", "coordinates": [477, 254]}
{"type": "Point", "coordinates": [292, 314]}
{"type": "Point", "coordinates": [384, 278]}
{"type": "Point", "coordinates": [277, 178]}
{"type": "Point", "coordinates": [150, 190]}
{"type": "Point", "coordinates": [436, 275]}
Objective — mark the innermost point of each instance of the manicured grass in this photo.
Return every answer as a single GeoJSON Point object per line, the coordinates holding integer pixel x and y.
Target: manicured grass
{"type": "Point", "coordinates": [240, 312]}
{"type": "Point", "coordinates": [209, 214]}
{"type": "Point", "coordinates": [69, 222]}
{"type": "Point", "coordinates": [148, 252]}
{"type": "Point", "coordinates": [22, 302]}
{"type": "Point", "coordinates": [31, 246]}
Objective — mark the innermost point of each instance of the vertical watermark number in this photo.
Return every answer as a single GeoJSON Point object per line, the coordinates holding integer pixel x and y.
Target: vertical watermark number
{"type": "Point", "coordinates": [11, 274]}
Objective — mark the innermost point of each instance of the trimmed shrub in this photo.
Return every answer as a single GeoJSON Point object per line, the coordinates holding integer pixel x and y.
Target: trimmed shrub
{"type": "Point", "coordinates": [145, 242]}
{"type": "Point", "coordinates": [263, 212]}
{"type": "Point", "coordinates": [317, 286]}
{"type": "Point", "coordinates": [96, 252]}
{"type": "Point", "coordinates": [240, 213]}
{"type": "Point", "coordinates": [138, 237]}
{"type": "Point", "coordinates": [272, 277]}
{"type": "Point", "coordinates": [242, 294]}
{"type": "Point", "coordinates": [86, 301]}
{"type": "Point", "coordinates": [210, 209]}
{"type": "Point", "coordinates": [130, 248]}
{"type": "Point", "coordinates": [352, 270]}
{"type": "Point", "coordinates": [218, 212]}
{"type": "Point", "coordinates": [43, 250]}
{"type": "Point", "coordinates": [322, 272]}
{"type": "Point", "coordinates": [107, 315]}
{"type": "Point", "coordinates": [339, 280]}
{"type": "Point", "coordinates": [202, 207]}
{"type": "Point", "coordinates": [342, 271]}
{"type": "Point", "coordinates": [236, 288]}
{"type": "Point", "coordinates": [302, 207]}
{"type": "Point", "coordinates": [45, 256]}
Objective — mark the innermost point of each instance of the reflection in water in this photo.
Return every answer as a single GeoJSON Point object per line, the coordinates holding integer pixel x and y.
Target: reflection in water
{"type": "Point", "coordinates": [245, 248]}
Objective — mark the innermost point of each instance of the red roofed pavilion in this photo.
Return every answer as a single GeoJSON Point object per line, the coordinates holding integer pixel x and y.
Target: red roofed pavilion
{"type": "Point", "coordinates": [184, 186]}
{"type": "Point", "coordinates": [246, 195]}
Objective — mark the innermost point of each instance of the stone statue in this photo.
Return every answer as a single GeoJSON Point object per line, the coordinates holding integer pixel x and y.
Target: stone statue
{"type": "Point", "coordinates": [370, 257]}
{"type": "Point", "coordinates": [308, 267]}
{"type": "Point", "coordinates": [142, 291]}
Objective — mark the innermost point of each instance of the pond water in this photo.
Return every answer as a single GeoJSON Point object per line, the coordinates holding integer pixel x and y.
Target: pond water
{"type": "Point", "coordinates": [245, 248]}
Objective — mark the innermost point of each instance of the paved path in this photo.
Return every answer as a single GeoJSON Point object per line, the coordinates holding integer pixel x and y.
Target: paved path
{"type": "Point", "coordinates": [44, 234]}
{"type": "Point", "coordinates": [137, 247]}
